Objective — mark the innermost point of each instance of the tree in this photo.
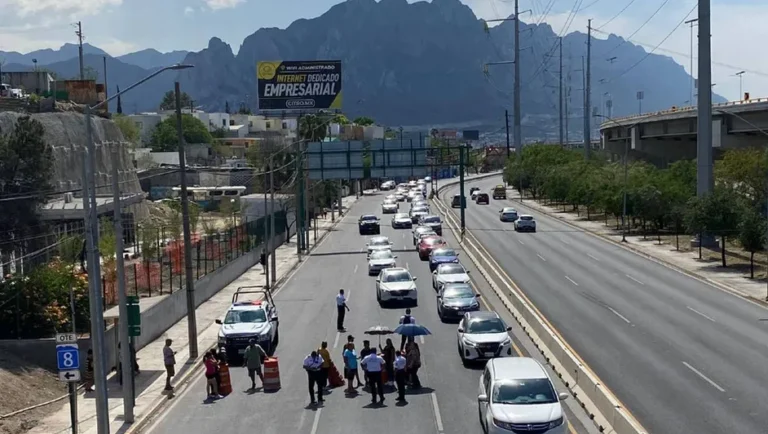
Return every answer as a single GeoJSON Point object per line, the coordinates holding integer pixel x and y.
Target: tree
{"type": "Point", "coordinates": [717, 213]}
{"type": "Point", "coordinates": [169, 100]}
{"type": "Point", "coordinates": [26, 169]}
{"type": "Point", "coordinates": [745, 170]}
{"type": "Point", "coordinates": [226, 107]}
{"type": "Point", "coordinates": [129, 129]}
{"type": "Point", "coordinates": [363, 121]}
{"type": "Point", "coordinates": [243, 110]}
{"type": "Point", "coordinates": [165, 138]}
{"type": "Point", "coordinates": [752, 236]}
{"type": "Point", "coordinates": [282, 157]}
{"type": "Point", "coordinates": [312, 128]}
{"type": "Point", "coordinates": [341, 119]}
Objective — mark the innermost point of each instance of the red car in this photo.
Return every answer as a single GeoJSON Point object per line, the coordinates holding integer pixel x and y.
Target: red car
{"type": "Point", "coordinates": [427, 244]}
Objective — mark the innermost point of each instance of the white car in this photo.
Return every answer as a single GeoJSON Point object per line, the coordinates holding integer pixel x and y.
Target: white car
{"type": "Point", "coordinates": [379, 260]}
{"type": "Point", "coordinates": [525, 223]}
{"type": "Point", "coordinates": [246, 320]}
{"type": "Point", "coordinates": [378, 243]}
{"type": "Point", "coordinates": [387, 185]}
{"type": "Point", "coordinates": [449, 273]}
{"type": "Point", "coordinates": [389, 206]}
{"type": "Point", "coordinates": [396, 284]}
{"type": "Point", "coordinates": [419, 203]}
{"type": "Point", "coordinates": [516, 394]}
{"type": "Point", "coordinates": [482, 335]}
{"type": "Point", "coordinates": [413, 194]}
{"type": "Point", "coordinates": [418, 213]}
{"type": "Point", "coordinates": [508, 214]}
{"type": "Point", "coordinates": [402, 220]}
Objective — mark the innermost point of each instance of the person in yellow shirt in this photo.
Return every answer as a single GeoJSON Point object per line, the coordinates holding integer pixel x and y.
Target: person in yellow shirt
{"type": "Point", "coordinates": [325, 369]}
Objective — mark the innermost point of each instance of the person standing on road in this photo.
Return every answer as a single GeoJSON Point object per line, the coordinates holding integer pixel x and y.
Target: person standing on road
{"type": "Point", "coordinates": [400, 374]}
{"type": "Point", "coordinates": [211, 371]}
{"type": "Point", "coordinates": [341, 310]}
{"type": "Point", "coordinates": [254, 356]}
{"type": "Point", "coordinates": [169, 360]}
{"type": "Point", "coordinates": [326, 368]}
{"type": "Point", "coordinates": [88, 383]}
{"type": "Point", "coordinates": [350, 366]}
{"type": "Point", "coordinates": [413, 362]}
{"type": "Point", "coordinates": [312, 364]}
{"type": "Point", "coordinates": [363, 354]}
{"type": "Point", "coordinates": [388, 354]}
{"type": "Point", "coordinates": [373, 364]}
{"type": "Point", "coordinates": [406, 319]}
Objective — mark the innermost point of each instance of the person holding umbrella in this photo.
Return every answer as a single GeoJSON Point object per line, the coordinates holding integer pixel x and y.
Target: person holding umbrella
{"type": "Point", "coordinates": [406, 319]}
{"type": "Point", "coordinates": [388, 354]}
{"type": "Point", "coordinates": [413, 362]}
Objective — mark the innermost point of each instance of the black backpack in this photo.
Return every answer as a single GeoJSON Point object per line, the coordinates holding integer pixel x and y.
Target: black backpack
{"type": "Point", "coordinates": [407, 319]}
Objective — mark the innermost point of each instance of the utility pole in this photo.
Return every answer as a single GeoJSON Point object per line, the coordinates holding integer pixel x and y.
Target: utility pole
{"type": "Point", "coordinates": [79, 34]}
{"type": "Point", "coordinates": [299, 214]}
{"type": "Point", "coordinates": [190, 282]}
{"type": "Point", "coordinates": [506, 123]}
{"type": "Point", "coordinates": [518, 132]}
{"type": "Point", "coordinates": [106, 86]}
{"type": "Point", "coordinates": [704, 180]}
{"type": "Point", "coordinates": [587, 90]}
{"type": "Point", "coordinates": [565, 103]}
{"type": "Point", "coordinates": [125, 347]}
{"type": "Point", "coordinates": [692, 22]}
{"type": "Point", "coordinates": [72, 387]}
{"type": "Point", "coordinates": [267, 252]}
{"type": "Point", "coordinates": [273, 265]}
{"type": "Point", "coordinates": [561, 90]}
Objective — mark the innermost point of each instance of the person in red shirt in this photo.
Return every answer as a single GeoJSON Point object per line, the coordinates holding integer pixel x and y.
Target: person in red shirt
{"type": "Point", "coordinates": [211, 372]}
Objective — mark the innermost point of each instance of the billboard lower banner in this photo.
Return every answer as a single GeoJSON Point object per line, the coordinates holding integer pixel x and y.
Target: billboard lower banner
{"type": "Point", "coordinates": [299, 85]}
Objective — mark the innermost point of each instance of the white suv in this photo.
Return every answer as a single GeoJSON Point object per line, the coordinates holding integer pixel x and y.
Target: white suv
{"type": "Point", "coordinates": [517, 395]}
{"type": "Point", "coordinates": [482, 335]}
{"type": "Point", "coordinates": [396, 284]}
{"type": "Point", "coordinates": [525, 223]}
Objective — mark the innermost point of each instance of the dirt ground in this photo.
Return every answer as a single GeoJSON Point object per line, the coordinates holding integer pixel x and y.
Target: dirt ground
{"type": "Point", "coordinates": [25, 386]}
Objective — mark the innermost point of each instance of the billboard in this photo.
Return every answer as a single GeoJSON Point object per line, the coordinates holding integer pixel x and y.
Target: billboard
{"type": "Point", "coordinates": [299, 85]}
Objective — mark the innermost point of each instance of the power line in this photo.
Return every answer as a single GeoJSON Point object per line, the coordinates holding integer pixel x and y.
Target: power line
{"type": "Point", "coordinates": [664, 3]}
{"type": "Point", "coordinates": [616, 16]}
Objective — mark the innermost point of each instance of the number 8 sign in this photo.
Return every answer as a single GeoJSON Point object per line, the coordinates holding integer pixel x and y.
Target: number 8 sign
{"type": "Point", "coordinates": [67, 357]}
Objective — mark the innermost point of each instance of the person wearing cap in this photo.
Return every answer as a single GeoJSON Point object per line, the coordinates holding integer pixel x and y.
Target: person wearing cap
{"type": "Point", "coordinates": [341, 310]}
{"type": "Point", "coordinates": [313, 363]}
{"type": "Point", "coordinates": [254, 356]}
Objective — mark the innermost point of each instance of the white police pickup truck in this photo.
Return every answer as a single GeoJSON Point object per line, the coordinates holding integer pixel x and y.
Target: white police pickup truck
{"type": "Point", "coordinates": [246, 320]}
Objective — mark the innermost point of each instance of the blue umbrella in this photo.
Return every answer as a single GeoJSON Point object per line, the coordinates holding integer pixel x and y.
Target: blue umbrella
{"type": "Point", "coordinates": [411, 330]}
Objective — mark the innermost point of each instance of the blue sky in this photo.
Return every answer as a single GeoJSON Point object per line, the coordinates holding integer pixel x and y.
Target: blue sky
{"type": "Point", "coordinates": [121, 26]}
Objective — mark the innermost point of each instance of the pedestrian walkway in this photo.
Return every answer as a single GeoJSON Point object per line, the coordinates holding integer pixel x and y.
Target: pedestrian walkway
{"type": "Point", "coordinates": [686, 260]}
{"type": "Point", "coordinates": [151, 382]}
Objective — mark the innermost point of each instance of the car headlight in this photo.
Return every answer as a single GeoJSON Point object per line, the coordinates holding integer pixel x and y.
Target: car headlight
{"type": "Point", "coordinates": [222, 340]}
{"type": "Point", "coordinates": [469, 343]}
{"type": "Point", "coordinates": [504, 425]}
{"type": "Point", "coordinates": [506, 342]}
{"type": "Point", "coordinates": [557, 422]}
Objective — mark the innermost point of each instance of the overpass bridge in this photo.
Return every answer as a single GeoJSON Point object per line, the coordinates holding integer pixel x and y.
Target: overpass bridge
{"type": "Point", "coordinates": [670, 135]}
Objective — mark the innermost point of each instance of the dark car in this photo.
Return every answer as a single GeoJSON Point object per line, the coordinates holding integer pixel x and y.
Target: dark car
{"type": "Point", "coordinates": [454, 299]}
{"type": "Point", "coordinates": [427, 244]}
{"type": "Point", "coordinates": [369, 225]}
{"type": "Point", "coordinates": [442, 256]}
{"type": "Point", "coordinates": [458, 201]}
{"type": "Point", "coordinates": [433, 222]}
{"type": "Point", "coordinates": [482, 198]}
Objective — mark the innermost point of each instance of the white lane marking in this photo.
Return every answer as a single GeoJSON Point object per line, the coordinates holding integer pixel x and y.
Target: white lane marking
{"type": "Point", "coordinates": [355, 269]}
{"type": "Point", "coordinates": [406, 267]}
{"type": "Point", "coordinates": [541, 257]}
{"type": "Point", "coordinates": [704, 377]}
{"type": "Point", "coordinates": [316, 421]}
{"type": "Point", "coordinates": [571, 280]}
{"type": "Point", "coordinates": [619, 315]}
{"type": "Point", "coordinates": [421, 340]}
{"type": "Point", "coordinates": [636, 281]}
{"type": "Point", "coordinates": [361, 249]}
{"type": "Point", "coordinates": [588, 254]}
{"type": "Point", "coordinates": [564, 241]}
{"type": "Point", "coordinates": [702, 314]}
{"type": "Point", "coordinates": [521, 242]}
{"type": "Point", "coordinates": [336, 341]}
{"type": "Point", "coordinates": [436, 408]}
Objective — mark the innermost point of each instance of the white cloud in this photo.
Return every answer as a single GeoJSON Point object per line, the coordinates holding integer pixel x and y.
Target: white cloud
{"type": "Point", "coordinates": [25, 8]}
{"type": "Point", "coordinates": [116, 47]}
{"type": "Point", "coordinates": [223, 4]}
{"type": "Point", "coordinates": [189, 10]}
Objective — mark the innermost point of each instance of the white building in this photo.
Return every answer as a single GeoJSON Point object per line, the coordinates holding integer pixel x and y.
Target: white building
{"type": "Point", "coordinates": [146, 123]}
{"type": "Point", "coordinates": [213, 121]}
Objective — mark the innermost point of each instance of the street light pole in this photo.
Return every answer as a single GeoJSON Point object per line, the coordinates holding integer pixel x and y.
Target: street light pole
{"type": "Point", "coordinates": [190, 283]}
{"type": "Point", "coordinates": [692, 22]}
{"type": "Point", "coordinates": [741, 90]}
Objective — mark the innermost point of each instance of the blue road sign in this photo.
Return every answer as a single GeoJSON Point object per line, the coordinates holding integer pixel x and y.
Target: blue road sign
{"type": "Point", "coordinates": [68, 357]}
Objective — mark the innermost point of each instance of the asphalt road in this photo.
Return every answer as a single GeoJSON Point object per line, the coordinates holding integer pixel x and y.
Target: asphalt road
{"type": "Point", "coordinates": [683, 356]}
{"type": "Point", "coordinates": [308, 317]}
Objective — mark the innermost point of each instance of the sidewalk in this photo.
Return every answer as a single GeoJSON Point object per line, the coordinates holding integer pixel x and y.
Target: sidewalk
{"type": "Point", "coordinates": [151, 382]}
{"type": "Point", "coordinates": [731, 278]}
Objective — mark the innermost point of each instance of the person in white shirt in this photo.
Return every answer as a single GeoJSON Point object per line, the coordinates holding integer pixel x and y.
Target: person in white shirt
{"type": "Point", "coordinates": [406, 319]}
{"type": "Point", "coordinates": [400, 375]}
{"type": "Point", "coordinates": [313, 364]}
{"type": "Point", "coordinates": [341, 310]}
{"type": "Point", "coordinates": [374, 364]}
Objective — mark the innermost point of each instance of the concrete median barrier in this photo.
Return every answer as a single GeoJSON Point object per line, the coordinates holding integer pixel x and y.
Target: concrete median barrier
{"type": "Point", "coordinates": [604, 408]}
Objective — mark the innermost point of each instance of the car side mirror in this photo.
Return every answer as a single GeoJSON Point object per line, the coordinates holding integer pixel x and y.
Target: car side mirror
{"type": "Point", "coordinates": [274, 318]}
{"type": "Point", "coordinates": [477, 295]}
{"type": "Point", "coordinates": [562, 396]}
{"type": "Point", "coordinates": [439, 297]}
{"type": "Point", "coordinates": [461, 330]}
{"type": "Point", "coordinates": [468, 271]}
{"type": "Point", "coordinates": [218, 321]}
{"type": "Point", "coordinates": [394, 257]}
{"type": "Point", "coordinates": [457, 254]}
{"type": "Point", "coordinates": [415, 279]}
{"type": "Point", "coordinates": [509, 329]}
{"type": "Point", "coordinates": [434, 272]}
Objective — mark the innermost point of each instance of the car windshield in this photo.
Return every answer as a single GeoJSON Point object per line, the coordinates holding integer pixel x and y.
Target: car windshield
{"type": "Point", "coordinates": [382, 254]}
{"type": "Point", "coordinates": [368, 218]}
{"type": "Point", "coordinates": [459, 291]}
{"type": "Point", "coordinates": [526, 217]}
{"type": "Point", "coordinates": [432, 219]}
{"type": "Point", "coordinates": [444, 252]}
{"type": "Point", "coordinates": [389, 202]}
{"type": "Point", "coordinates": [401, 216]}
{"type": "Point", "coordinates": [483, 195]}
{"type": "Point", "coordinates": [397, 276]}
{"type": "Point", "coordinates": [433, 241]}
{"type": "Point", "coordinates": [420, 211]}
{"type": "Point", "coordinates": [480, 326]}
{"type": "Point", "coordinates": [451, 269]}
{"type": "Point", "coordinates": [247, 316]}
{"type": "Point", "coordinates": [379, 242]}
{"type": "Point", "coordinates": [531, 391]}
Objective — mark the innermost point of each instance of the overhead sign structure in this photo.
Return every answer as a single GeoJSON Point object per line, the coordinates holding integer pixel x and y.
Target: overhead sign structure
{"type": "Point", "coordinates": [299, 85]}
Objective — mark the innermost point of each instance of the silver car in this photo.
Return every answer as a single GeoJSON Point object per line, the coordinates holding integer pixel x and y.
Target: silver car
{"type": "Point", "coordinates": [401, 220]}
{"type": "Point", "coordinates": [449, 273]}
{"type": "Point", "coordinates": [420, 232]}
{"type": "Point", "coordinates": [396, 284]}
{"type": "Point", "coordinates": [379, 260]}
{"type": "Point", "coordinates": [418, 213]}
{"type": "Point", "coordinates": [525, 223]}
{"type": "Point", "coordinates": [508, 214]}
{"type": "Point", "coordinates": [378, 243]}
{"type": "Point", "coordinates": [389, 207]}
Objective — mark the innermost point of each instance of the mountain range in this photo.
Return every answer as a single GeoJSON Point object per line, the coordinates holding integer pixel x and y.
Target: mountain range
{"type": "Point", "coordinates": [409, 64]}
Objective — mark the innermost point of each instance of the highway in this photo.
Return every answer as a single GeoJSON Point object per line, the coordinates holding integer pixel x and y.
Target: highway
{"type": "Point", "coordinates": [683, 356]}
{"type": "Point", "coordinates": [447, 404]}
